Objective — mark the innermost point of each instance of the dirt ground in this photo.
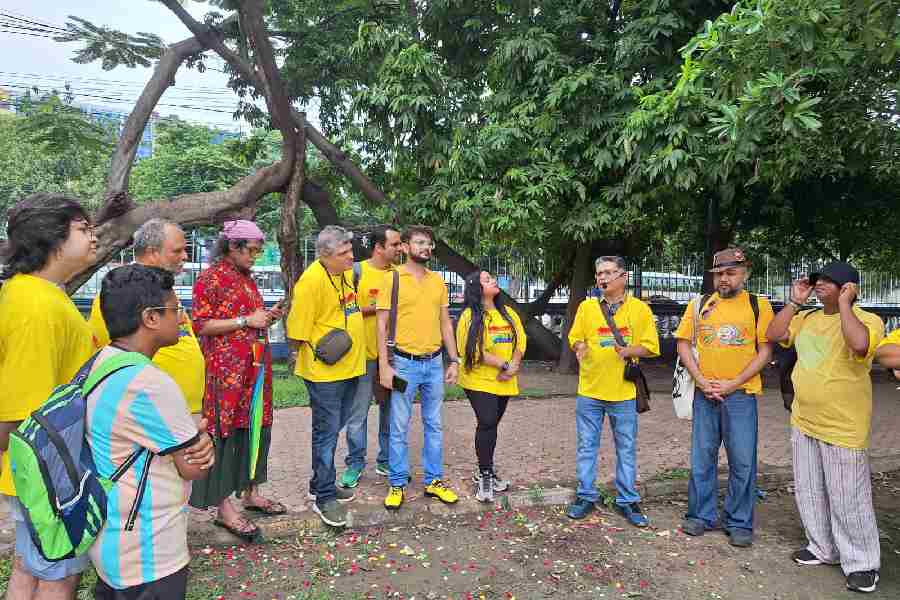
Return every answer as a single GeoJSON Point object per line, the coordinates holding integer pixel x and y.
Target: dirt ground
{"type": "Point", "coordinates": [540, 553]}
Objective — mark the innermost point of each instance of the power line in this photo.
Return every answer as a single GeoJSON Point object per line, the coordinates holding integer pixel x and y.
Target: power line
{"type": "Point", "coordinates": [32, 20]}
{"type": "Point", "coordinates": [19, 75]}
{"type": "Point", "coordinates": [127, 101]}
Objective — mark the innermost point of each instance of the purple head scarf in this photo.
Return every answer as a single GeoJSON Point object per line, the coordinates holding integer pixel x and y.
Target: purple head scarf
{"type": "Point", "coordinates": [242, 230]}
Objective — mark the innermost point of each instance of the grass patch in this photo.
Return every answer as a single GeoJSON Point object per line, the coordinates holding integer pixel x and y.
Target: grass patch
{"type": "Point", "coordinates": [673, 475]}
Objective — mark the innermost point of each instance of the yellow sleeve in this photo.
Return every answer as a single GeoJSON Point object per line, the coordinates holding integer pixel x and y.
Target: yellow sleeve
{"type": "Point", "coordinates": [766, 314]}
{"type": "Point", "coordinates": [647, 337]}
{"type": "Point", "coordinates": [384, 295]}
{"type": "Point", "coordinates": [876, 333]}
{"type": "Point", "coordinates": [98, 325]}
{"type": "Point", "coordinates": [32, 368]}
{"type": "Point", "coordinates": [520, 332]}
{"type": "Point", "coordinates": [685, 330]}
{"type": "Point", "coordinates": [576, 333]}
{"type": "Point", "coordinates": [301, 318]}
{"type": "Point", "coordinates": [794, 328]}
{"type": "Point", "coordinates": [462, 333]}
{"type": "Point", "coordinates": [445, 295]}
{"type": "Point", "coordinates": [892, 338]}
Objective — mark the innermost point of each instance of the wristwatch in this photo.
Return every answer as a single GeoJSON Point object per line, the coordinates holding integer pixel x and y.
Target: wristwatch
{"type": "Point", "coordinates": [505, 365]}
{"type": "Point", "coordinates": [795, 304]}
{"type": "Point", "coordinates": [455, 359]}
{"type": "Point", "coordinates": [241, 322]}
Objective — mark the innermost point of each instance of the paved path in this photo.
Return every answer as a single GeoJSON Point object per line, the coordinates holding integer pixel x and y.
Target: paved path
{"type": "Point", "coordinates": [537, 442]}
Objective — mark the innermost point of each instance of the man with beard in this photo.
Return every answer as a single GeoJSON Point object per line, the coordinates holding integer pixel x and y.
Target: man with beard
{"type": "Point", "coordinates": [830, 421]}
{"type": "Point", "coordinates": [371, 277]}
{"type": "Point", "coordinates": [423, 325]}
{"type": "Point", "coordinates": [160, 243]}
{"type": "Point", "coordinates": [732, 349]}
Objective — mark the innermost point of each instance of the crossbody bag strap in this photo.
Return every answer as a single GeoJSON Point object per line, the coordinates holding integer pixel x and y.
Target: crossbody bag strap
{"type": "Point", "coordinates": [604, 308]}
{"type": "Point", "coordinates": [699, 302]}
{"type": "Point", "coordinates": [392, 313]}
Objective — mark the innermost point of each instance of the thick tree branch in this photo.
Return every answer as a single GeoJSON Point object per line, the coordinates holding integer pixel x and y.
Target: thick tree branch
{"type": "Point", "coordinates": [539, 305]}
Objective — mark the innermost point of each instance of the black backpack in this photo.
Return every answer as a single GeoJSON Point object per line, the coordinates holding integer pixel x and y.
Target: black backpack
{"type": "Point", "coordinates": [785, 361]}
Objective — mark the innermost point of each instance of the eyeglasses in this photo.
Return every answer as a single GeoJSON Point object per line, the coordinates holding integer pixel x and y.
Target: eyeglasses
{"type": "Point", "coordinates": [608, 274]}
{"type": "Point", "coordinates": [253, 251]}
{"type": "Point", "coordinates": [179, 309]}
{"type": "Point", "coordinates": [423, 244]}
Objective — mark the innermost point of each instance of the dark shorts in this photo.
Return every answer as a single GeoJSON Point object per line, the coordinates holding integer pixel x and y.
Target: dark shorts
{"type": "Point", "coordinates": [171, 587]}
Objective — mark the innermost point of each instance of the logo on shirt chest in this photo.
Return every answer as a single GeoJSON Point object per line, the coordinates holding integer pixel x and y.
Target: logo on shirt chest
{"type": "Point", "coordinates": [724, 335]}
{"type": "Point", "coordinates": [608, 340]}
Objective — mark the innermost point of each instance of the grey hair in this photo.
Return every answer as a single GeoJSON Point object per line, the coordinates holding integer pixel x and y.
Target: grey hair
{"type": "Point", "coordinates": [151, 236]}
{"type": "Point", "coordinates": [330, 238]}
{"type": "Point", "coordinates": [618, 260]}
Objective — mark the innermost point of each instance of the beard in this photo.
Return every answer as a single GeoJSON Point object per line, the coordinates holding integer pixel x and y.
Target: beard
{"type": "Point", "coordinates": [419, 259]}
{"type": "Point", "coordinates": [731, 293]}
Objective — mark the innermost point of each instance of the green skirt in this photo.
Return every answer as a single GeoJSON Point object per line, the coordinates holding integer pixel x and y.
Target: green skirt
{"type": "Point", "coordinates": [231, 473]}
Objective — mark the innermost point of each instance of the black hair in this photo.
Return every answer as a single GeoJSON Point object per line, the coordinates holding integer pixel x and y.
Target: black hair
{"type": "Point", "coordinates": [36, 227]}
{"type": "Point", "coordinates": [379, 234]}
{"type": "Point", "coordinates": [127, 292]}
{"type": "Point", "coordinates": [472, 302]}
{"type": "Point", "coordinates": [417, 230]}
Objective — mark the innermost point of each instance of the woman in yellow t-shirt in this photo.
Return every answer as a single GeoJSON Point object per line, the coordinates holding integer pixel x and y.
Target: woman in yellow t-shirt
{"type": "Point", "coordinates": [491, 343]}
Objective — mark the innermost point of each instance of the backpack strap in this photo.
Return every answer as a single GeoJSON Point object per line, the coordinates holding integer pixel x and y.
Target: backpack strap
{"type": "Point", "coordinates": [357, 275]}
{"type": "Point", "coordinates": [110, 366]}
{"type": "Point", "coordinates": [754, 305]}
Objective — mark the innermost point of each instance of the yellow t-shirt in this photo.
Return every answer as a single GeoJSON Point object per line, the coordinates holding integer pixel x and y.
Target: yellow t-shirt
{"type": "Point", "coordinates": [497, 339]}
{"type": "Point", "coordinates": [371, 281]}
{"type": "Point", "coordinates": [183, 361]}
{"type": "Point", "coordinates": [419, 305]}
{"type": "Point", "coordinates": [319, 305]}
{"type": "Point", "coordinates": [601, 374]}
{"type": "Point", "coordinates": [892, 338]}
{"type": "Point", "coordinates": [44, 340]}
{"type": "Point", "coordinates": [832, 386]}
{"type": "Point", "coordinates": [726, 340]}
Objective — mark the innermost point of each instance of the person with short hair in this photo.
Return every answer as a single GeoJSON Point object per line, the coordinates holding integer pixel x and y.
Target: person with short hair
{"type": "Point", "coordinates": [423, 326]}
{"type": "Point", "coordinates": [161, 243]}
{"type": "Point", "coordinates": [491, 341]}
{"type": "Point", "coordinates": [229, 317]}
{"type": "Point", "coordinates": [603, 390]}
{"type": "Point", "coordinates": [385, 251]}
{"type": "Point", "coordinates": [831, 418]}
{"type": "Point", "coordinates": [732, 350]}
{"type": "Point", "coordinates": [140, 407]}
{"type": "Point", "coordinates": [329, 304]}
{"type": "Point", "coordinates": [44, 342]}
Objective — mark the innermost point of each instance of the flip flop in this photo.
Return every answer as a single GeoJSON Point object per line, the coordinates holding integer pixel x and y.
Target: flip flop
{"type": "Point", "coordinates": [272, 508]}
{"type": "Point", "coordinates": [250, 536]}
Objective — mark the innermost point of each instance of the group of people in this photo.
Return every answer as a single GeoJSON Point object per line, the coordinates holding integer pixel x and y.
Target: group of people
{"type": "Point", "coordinates": [379, 330]}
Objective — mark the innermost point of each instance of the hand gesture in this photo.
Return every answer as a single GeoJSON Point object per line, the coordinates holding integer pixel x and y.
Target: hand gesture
{"type": "Point", "coordinates": [722, 388]}
{"type": "Point", "coordinates": [801, 290]}
{"type": "Point", "coordinates": [849, 292]}
{"type": "Point", "coordinates": [276, 312]}
{"type": "Point", "coordinates": [624, 352]}
{"type": "Point", "coordinates": [259, 319]}
{"type": "Point", "coordinates": [386, 377]}
{"type": "Point", "coordinates": [581, 350]}
{"type": "Point", "coordinates": [452, 373]}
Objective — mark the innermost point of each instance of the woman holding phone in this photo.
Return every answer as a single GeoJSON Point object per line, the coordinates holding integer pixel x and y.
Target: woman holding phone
{"type": "Point", "coordinates": [491, 342]}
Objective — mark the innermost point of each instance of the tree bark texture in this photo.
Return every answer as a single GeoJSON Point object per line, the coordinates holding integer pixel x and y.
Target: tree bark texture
{"type": "Point", "coordinates": [291, 261]}
{"type": "Point", "coordinates": [581, 279]}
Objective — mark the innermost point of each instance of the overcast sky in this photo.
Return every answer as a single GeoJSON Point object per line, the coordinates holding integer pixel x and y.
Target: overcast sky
{"type": "Point", "coordinates": [27, 60]}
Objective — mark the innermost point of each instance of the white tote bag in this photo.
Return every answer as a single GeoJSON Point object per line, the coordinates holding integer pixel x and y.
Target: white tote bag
{"type": "Point", "coordinates": [682, 383]}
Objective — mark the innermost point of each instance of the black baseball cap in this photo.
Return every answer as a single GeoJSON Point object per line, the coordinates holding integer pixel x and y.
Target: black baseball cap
{"type": "Point", "coordinates": [838, 272]}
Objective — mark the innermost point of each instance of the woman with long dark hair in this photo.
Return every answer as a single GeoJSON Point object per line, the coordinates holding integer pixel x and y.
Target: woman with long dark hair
{"type": "Point", "coordinates": [491, 342]}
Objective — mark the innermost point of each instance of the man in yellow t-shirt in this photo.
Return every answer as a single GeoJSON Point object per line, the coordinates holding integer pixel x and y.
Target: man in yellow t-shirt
{"type": "Point", "coordinates": [830, 421]}
{"type": "Point", "coordinates": [44, 341]}
{"type": "Point", "coordinates": [603, 390]}
{"type": "Point", "coordinates": [325, 302]}
{"type": "Point", "coordinates": [160, 243]}
{"type": "Point", "coordinates": [368, 277]}
{"type": "Point", "coordinates": [732, 349]}
{"type": "Point", "coordinates": [888, 352]}
{"type": "Point", "coordinates": [423, 325]}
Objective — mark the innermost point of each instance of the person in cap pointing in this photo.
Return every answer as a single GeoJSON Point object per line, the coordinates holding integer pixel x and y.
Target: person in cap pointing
{"type": "Point", "coordinates": [830, 421]}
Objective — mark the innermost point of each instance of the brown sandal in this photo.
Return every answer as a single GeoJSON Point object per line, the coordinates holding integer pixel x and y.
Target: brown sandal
{"type": "Point", "coordinates": [250, 535]}
{"type": "Point", "coordinates": [270, 508]}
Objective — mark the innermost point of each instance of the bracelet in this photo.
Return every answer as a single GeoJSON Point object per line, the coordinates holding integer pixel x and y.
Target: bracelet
{"type": "Point", "coordinates": [505, 366]}
{"type": "Point", "coordinates": [794, 303]}
{"type": "Point", "coordinates": [241, 322]}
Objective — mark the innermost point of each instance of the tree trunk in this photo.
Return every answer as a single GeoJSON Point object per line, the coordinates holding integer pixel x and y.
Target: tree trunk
{"type": "Point", "coordinates": [581, 280]}
{"type": "Point", "coordinates": [717, 238]}
{"type": "Point", "coordinates": [291, 261]}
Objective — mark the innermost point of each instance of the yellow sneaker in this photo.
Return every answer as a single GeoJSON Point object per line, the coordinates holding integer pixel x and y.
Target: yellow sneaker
{"type": "Point", "coordinates": [437, 489]}
{"type": "Point", "coordinates": [394, 498]}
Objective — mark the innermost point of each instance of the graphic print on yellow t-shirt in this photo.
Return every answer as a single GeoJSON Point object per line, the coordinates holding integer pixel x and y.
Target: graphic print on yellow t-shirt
{"type": "Point", "coordinates": [497, 340]}
{"type": "Point", "coordinates": [832, 386]}
{"type": "Point", "coordinates": [726, 340]}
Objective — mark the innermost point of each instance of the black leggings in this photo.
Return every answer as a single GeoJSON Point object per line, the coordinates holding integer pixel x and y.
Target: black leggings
{"type": "Point", "coordinates": [489, 409]}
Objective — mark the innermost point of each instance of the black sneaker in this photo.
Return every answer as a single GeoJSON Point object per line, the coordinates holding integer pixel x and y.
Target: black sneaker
{"type": "Point", "coordinates": [331, 513]}
{"type": "Point", "coordinates": [862, 581]}
{"type": "Point", "coordinates": [805, 557]}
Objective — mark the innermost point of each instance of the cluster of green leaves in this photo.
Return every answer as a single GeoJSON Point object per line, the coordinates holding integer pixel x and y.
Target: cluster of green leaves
{"type": "Point", "coordinates": [112, 48]}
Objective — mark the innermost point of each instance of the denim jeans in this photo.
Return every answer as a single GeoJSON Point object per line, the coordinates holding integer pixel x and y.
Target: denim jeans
{"type": "Point", "coordinates": [384, 432]}
{"type": "Point", "coordinates": [734, 422]}
{"type": "Point", "coordinates": [427, 378]}
{"type": "Point", "coordinates": [358, 423]}
{"type": "Point", "coordinates": [331, 403]}
{"type": "Point", "coordinates": [623, 421]}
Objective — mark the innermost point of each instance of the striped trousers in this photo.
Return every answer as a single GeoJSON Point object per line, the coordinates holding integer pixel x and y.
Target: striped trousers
{"type": "Point", "coordinates": [833, 489]}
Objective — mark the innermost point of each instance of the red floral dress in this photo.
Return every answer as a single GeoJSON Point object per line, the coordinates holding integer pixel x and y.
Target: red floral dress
{"type": "Point", "coordinates": [223, 292]}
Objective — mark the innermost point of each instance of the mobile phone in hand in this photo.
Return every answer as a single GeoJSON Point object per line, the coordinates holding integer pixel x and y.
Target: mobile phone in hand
{"type": "Point", "coordinates": [398, 384]}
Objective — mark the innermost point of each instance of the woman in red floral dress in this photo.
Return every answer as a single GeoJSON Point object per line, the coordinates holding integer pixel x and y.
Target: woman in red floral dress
{"type": "Point", "coordinates": [229, 316]}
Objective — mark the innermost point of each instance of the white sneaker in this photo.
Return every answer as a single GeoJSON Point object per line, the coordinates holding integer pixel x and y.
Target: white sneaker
{"type": "Point", "coordinates": [485, 490]}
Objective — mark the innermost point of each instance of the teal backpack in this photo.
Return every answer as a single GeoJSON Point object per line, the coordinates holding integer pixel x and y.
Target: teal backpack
{"type": "Point", "coordinates": [63, 497]}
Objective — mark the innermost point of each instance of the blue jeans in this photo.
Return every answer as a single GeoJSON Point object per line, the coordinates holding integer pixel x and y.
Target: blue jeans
{"type": "Point", "coordinates": [331, 403]}
{"type": "Point", "coordinates": [32, 560]}
{"type": "Point", "coordinates": [733, 422]}
{"type": "Point", "coordinates": [623, 421]}
{"type": "Point", "coordinates": [427, 378]}
{"type": "Point", "coordinates": [358, 423]}
{"type": "Point", "coordinates": [384, 432]}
